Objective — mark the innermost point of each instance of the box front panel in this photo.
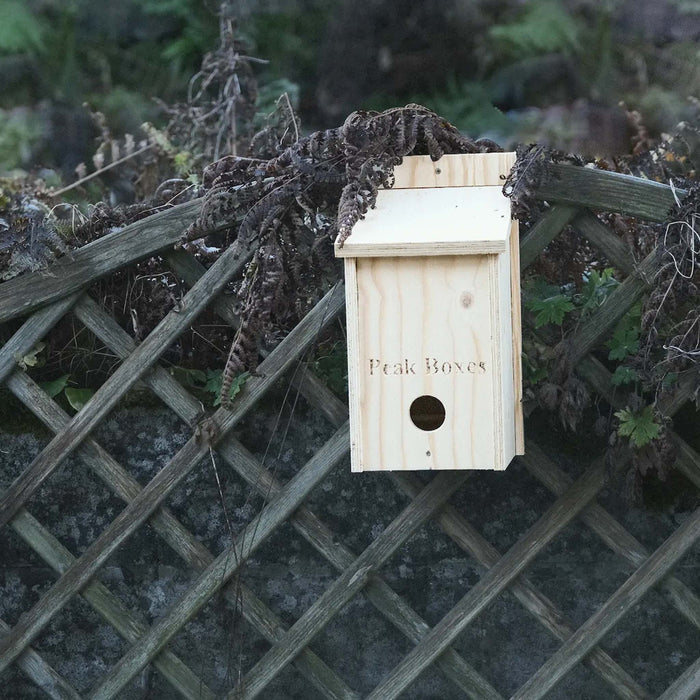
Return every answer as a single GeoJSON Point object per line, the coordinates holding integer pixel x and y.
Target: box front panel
{"type": "Point", "coordinates": [424, 375]}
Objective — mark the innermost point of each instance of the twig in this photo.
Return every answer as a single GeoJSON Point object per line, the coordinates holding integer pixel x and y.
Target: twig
{"type": "Point", "coordinates": [113, 164]}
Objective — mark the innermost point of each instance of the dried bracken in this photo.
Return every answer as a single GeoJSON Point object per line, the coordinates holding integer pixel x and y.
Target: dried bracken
{"type": "Point", "coordinates": [292, 206]}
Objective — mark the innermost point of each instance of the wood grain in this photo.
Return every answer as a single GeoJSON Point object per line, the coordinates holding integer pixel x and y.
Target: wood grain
{"type": "Point", "coordinates": [454, 170]}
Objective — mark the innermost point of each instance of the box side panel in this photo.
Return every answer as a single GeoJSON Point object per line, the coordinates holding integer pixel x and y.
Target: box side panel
{"type": "Point", "coordinates": [425, 329]}
{"type": "Point", "coordinates": [353, 345]}
{"type": "Point", "coordinates": [517, 338]}
{"type": "Point", "coordinates": [506, 388]}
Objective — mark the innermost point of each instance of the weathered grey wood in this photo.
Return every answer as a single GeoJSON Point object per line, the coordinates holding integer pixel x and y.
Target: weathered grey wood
{"type": "Point", "coordinates": [547, 228]}
{"type": "Point", "coordinates": [686, 686]}
{"type": "Point", "coordinates": [392, 606]}
{"type": "Point", "coordinates": [620, 603]}
{"type": "Point", "coordinates": [598, 189]}
{"type": "Point", "coordinates": [73, 272]}
{"type": "Point", "coordinates": [318, 674]}
{"type": "Point", "coordinates": [225, 565]}
{"type": "Point", "coordinates": [535, 602]}
{"type": "Point", "coordinates": [350, 582]}
{"type": "Point", "coordinates": [165, 524]}
{"type": "Point", "coordinates": [615, 250]}
{"type": "Point", "coordinates": [312, 388]}
{"type": "Point", "coordinates": [31, 332]}
{"type": "Point", "coordinates": [166, 480]}
{"type": "Point", "coordinates": [127, 623]}
{"type": "Point", "coordinates": [126, 375]}
{"type": "Point", "coordinates": [43, 675]}
{"type": "Point", "coordinates": [616, 537]}
{"type": "Point", "coordinates": [494, 581]}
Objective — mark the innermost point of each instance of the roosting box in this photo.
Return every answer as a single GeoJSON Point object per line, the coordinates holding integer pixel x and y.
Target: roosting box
{"type": "Point", "coordinates": [433, 317]}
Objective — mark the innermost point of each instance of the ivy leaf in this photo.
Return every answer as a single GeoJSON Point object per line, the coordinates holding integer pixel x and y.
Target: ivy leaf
{"type": "Point", "coordinates": [640, 428]}
{"type": "Point", "coordinates": [77, 398]}
{"type": "Point", "coordinates": [55, 387]}
{"type": "Point", "coordinates": [551, 309]}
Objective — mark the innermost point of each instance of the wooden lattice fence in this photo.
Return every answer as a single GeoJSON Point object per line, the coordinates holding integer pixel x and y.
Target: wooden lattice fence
{"type": "Point", "coordinates": [45, 297]}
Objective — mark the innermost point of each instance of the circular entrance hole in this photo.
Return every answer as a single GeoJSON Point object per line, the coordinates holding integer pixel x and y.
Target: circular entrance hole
{"type": "Point", "coordinates": [427, 413]}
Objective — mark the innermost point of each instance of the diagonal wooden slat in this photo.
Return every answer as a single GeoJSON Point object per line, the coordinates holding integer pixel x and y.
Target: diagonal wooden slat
{"type": "Point", "coordinates": [687, 459]}
{"type": "Point", "coordinates": [619, 604]}
{"type": "Point", "coordinates": [167, 479]}
{"type": "Point", "coordinates": [320, 537]}
{"type": "Point", "coordinates": [129, 625]}
{"type": "Point", "coordinates": [75, 271]}
{"type": "Point", "coordinates": [43, 675]}
{"type": "Point", "coordinates": [351, 581]}
{"type": "Point", "coordinates": [547, 228]}
{"type": "Point", "coordinates": [377, 591]}
{"type": "Point", "coordinates": [126, 375]}
{"type": "Point", "coordinates": [604, 239]}
{"type": "Point", "coordinates": [225, 565]}
{"type": "Point", "coordinates": [686, 686]}
{"type": "Point", "coordinates": [173, 533]}
{"type": "Point", "coordinates": [616, 537]}
{"type": "Point", "coordinates": [494, 581]}
{"type": "Point", "coordinates": [31, 332]}
{"type": "Point", "coordinates": [598, 189]}
{"type": "Point", "coordinates": [535, 602]}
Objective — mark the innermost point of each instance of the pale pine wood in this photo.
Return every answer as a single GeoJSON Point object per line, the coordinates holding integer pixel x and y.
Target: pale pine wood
{"type": "Point", "coordinates": [454, 170]}
{"type": "Point", "coordinates": [517, 338]}
{"type": "Point", "coordinates": [412, 328]}
{"type": "Point", "coordinates": [439, 221]}
{"type": "Point", "coordinates": [430, 287]}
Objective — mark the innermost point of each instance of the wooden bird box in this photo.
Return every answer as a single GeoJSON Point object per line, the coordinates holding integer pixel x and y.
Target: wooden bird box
{"type": "Point", "coordinates": [433, 320]}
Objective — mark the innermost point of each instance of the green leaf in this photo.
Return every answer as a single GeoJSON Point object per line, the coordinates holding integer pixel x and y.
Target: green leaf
{"type": "Point", "coordinates": [543, 27]}
{"type": "Point", "coordinates": [194, 378]}
{"type": "Point", "coordinates": [624, 375]}
{"type": "Point", "coordinates": [31, 359]}
{"type": "Point", "coordinates": [551, 309]}
{"type": "Point", "coordinates": [213, 384]}
{"type": "Point", "coordinates": [641, 428]}
{"type": "Point", "coordinates": [213, 381]}
{"type": "Point", "coordinates": [596, 288]}
{"type": "Point", "coordinates": [624, 342]}
{"type": "Point", "coordinates": [77, 398]}
{"type": "Point", "coordinates": [56, 386]}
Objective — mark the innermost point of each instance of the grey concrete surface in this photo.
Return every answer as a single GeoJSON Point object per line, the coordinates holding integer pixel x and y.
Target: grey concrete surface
{"type": "Point", "coordinates": [577, 571]}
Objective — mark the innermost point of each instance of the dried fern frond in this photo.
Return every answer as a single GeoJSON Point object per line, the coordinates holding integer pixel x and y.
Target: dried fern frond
{"type": "Point", "coordinates": [291, 200]}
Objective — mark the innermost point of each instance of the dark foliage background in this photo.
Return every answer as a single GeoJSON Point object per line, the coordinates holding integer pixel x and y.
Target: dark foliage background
{"type": "Point", "coordinates": [511, 70]}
